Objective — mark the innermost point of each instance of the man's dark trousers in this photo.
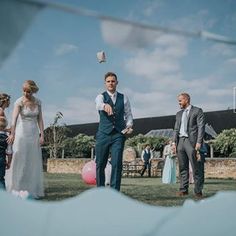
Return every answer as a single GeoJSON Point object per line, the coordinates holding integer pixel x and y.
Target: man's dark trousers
{"type": "Point", "coordinates": [147, 165]}
{"type": "Point", "coordinates": [105, 144]}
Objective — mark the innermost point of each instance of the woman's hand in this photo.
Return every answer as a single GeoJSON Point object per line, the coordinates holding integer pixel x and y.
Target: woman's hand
{"type": "Point", "coordinates": [41, 140]}
{"type": "Point", "coordinates": [11, 138]}
{"type": "Point", "coordinates": [8, 165]}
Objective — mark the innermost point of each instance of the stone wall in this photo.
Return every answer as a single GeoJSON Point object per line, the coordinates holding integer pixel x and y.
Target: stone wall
{"type": "Point", "coordinates": [70, 165]}
{"type": "Point", "coordinates": [220, 168]}
{"type": "Point", "coordinates": [214, 167]}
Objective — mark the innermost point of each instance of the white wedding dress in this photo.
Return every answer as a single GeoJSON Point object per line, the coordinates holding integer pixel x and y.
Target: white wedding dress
{"type": "Point", "coordinates": [26, 171]}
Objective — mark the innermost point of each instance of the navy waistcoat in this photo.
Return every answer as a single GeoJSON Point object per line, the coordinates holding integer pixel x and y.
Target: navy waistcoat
{"type": "Point", "coordinates": [147, 155]}
{"type": "Point", "coordinates": [116, 121]}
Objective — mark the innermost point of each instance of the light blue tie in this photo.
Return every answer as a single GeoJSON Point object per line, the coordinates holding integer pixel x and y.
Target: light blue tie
{"type": "Point", "coordinates": [185, 120]}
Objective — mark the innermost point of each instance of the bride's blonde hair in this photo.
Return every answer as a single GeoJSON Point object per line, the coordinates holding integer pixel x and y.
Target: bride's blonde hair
{"type": "Point", "coordinates": [31, 85]}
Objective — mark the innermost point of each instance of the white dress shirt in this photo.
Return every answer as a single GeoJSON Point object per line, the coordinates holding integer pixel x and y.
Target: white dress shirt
{"type": "Point", "coordinates": [182, 132]}
{"type": "Point", "coordinates": [127, 108]}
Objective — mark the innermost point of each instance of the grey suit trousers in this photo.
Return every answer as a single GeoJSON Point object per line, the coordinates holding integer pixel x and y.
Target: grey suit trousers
{"type": "Point", "coordinates": [185, 153]}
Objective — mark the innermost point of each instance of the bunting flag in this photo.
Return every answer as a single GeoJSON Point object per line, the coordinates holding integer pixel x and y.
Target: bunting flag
{"type": "Point", "coordinates": [15, 18]}
{"type": "Point", "coordinates": [90, 13]}
{"type": "Point", "coordinates": [17, 15]}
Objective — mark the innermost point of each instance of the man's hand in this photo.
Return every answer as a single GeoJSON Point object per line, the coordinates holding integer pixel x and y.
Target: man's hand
{"type": "Point", "coordinates": [41, 140]}
{"type": "Point", "coordinates": [198, 146]}
{"type": "Point", "coordinates": [127, 130]}
{"type": "Point", "coordinates": [108, 109]}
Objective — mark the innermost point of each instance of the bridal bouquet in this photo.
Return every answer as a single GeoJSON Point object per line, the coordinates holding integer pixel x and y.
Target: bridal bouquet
{"type": "Point", "coordinates": [173, 155]}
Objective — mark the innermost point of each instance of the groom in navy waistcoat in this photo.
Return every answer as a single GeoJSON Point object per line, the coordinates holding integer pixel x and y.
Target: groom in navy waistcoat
{"type": "Point", "coordinates": [115, 120]}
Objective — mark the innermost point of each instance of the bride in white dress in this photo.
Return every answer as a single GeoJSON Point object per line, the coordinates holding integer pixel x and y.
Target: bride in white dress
{"type": "Point", "coordinates": [26, 172]}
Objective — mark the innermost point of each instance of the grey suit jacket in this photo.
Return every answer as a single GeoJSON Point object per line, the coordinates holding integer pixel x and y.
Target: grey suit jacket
{"type": "Point", "coordinates": [195, 126]}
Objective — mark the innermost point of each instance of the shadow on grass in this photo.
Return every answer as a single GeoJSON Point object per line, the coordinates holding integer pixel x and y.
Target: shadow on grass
{"type": "Point", "coordinates": [220, 182]}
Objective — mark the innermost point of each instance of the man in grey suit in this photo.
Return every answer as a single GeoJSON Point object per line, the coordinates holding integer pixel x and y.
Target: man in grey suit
{"type": "Point", "coordinates": [187, 139]}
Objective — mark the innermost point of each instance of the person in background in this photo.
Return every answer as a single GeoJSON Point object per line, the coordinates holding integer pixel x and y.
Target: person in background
{"type": "Point", "coordinates": [147, 156]}
{"type": "Point", "coordinates": [4, 103]}
{"type": "Point", "coordinates": [169, 170]}
{"type": "Point", "coordinates": [5, 152]}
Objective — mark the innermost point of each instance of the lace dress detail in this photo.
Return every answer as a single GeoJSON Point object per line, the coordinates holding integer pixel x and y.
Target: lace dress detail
{"type": "Point", "coordinates": [26, 171]}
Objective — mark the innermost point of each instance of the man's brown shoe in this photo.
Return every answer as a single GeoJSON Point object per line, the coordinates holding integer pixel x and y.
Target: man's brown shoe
{"type": "Point", "coordinates": [181, 194]}
{"type": "Point", "coordinates": [198, 196]}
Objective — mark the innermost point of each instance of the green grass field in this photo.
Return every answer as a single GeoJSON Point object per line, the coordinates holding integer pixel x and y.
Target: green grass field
{"type": "Point", "coordinates": [148, 190]}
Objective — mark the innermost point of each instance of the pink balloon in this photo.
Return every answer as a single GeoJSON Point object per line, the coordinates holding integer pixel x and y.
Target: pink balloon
{"type": "Point", "coordinates": [89, 173]}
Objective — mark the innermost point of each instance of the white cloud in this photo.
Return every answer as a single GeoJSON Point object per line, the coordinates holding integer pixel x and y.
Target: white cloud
{"type": "Point", "coordinates": [80, 110]}
{"type": "Point", "coordinates": [161, 62]}
{"type": "Point", "coordinates": [219, 92]}
{"type": "Point", "coordinates": [161, 103]}
{"type": "Point", "coordinates": [218, 49]}
{"type": "Point", "coordinates": [127, 36]}
{"type": "Point", "coordinates": [75, 109]}
{"type": "Point", "coordinates": [231, 61]}
{"type": "Point", "coordinates": [152, 104]}
{"type": "Point", "coordinates": [149, 65]}
{"type": "Point", "coordinates": [213, 106]}
{"type": "Point", "coordinates": [211, 92]}
{"type": "Point", "coordinates": [65, 48]}
{"type": "Point", "coordinates": [194, 22]}
{"type": "Point", "coordinates": [152, 7]}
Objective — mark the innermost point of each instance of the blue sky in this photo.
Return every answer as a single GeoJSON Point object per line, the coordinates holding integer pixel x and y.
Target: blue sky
{"type": "Point", "coordinates": [59, 49]}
